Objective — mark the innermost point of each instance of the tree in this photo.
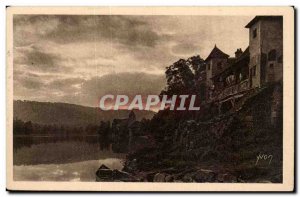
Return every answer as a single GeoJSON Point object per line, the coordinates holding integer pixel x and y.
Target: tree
{"type": "Point", "coordinates": [197, 64]}
{"type": "Point", "coordinates": [182, 76]}
{"type": "Point", "coordinates": [28, 127]}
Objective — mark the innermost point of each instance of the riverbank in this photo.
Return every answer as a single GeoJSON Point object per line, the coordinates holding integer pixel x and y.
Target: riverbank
{"type": "Point", "coordinates": [150, 169]}
{"type": "Point", "coordinates": [242, 145]}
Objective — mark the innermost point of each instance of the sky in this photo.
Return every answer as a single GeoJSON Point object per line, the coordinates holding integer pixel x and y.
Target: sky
{"type": "Point", "coordinates": [78, 59]}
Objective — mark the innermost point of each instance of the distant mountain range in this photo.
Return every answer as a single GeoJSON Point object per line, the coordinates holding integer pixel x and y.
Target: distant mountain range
{"type": "Point", "coordinates": [68, 114]}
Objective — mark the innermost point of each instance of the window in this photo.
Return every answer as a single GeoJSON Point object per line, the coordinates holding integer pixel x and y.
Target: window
{"type": "Point", "coordinates": [272, 55]}
{"type": "Point", "coordinates": [271, 65]}
{"type": "Point", "coordinates": [208, 66]}
{"type": "Point", "coordinates": [254, 34]}
{"type": "Point", "coordinates": [254, 71]}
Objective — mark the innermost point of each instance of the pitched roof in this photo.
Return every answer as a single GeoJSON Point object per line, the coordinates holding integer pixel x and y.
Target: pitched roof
{"type": "Point", "coordinates": [244, 55]}
{"type": "Point", "coordinates": [216, 53]}
{"type": "Point", "coordinates": [235, 62]}
{"type": "Point", "coordinates": [257, 18]}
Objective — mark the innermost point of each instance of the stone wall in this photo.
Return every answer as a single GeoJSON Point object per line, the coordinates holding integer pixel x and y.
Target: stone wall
{"type": "Point", "coordinates": [269, 36]}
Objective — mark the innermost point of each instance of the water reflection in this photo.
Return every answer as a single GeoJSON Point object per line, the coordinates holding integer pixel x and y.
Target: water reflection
{"type": "Point", "coordinates": [50, 158]}
{"type": "Point", "coordinates": [29, 140]}
{"type": "Point", "coordinates": [79, 171]}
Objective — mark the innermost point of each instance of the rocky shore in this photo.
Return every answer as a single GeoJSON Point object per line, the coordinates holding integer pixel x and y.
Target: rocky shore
{"type": "Point", "coordinates": [235, 147]}
{"type": "Point", "coordinates": [197, 175]}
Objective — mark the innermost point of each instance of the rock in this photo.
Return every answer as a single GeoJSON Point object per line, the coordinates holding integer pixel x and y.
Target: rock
{"type": "Point", "coordinates": [104, 174]}
{"type": "Point", "coordinates": [204, 175]}
{"type": "Point", "coordinates": [159, 177]}
{"type": "Point", "coordinates": [122, 176]}
{"type": "Point", "coordinates": [187, 178]}
{"type": "Point", "coordinates": [169, 178]}
{"type": "Point", "coordinates": [130, 166]}
{"type": "Point", "coordinates": [227, 178]}
{"type": "Point", "coordinates": [150, 177]}
{"type": "Point", "coordinates": [239, 180]}
{"type": "Point", "coordinates": [143, 177]}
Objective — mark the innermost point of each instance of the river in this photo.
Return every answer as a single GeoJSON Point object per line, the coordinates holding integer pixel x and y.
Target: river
{"type": "Point", "coordinates": [62, 161]}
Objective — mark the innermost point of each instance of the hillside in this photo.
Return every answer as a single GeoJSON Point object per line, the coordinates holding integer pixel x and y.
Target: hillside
{"type": "Point", "coordinates": [68, 114]}
{"type": "Point", "coordinates": [241, 145]}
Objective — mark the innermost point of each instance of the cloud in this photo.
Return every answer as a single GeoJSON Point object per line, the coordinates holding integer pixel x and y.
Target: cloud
{"type": "Point", "coordinates": [88, 92]}
{"type": "Point", "coordinates": [41, 60]}
{"type": "Point", "coordinates": [36, 59]}
{"type": "Point", "coordinates": [78, 58]}
{"type": "Point", "coordinates": [64, 29]}
{"type": "Point", "coordinates": [31, 83]}
{"type": "Point", "coordinates": [184, 48]}
{"type": "Point", "coordinates": [126, 83]}
{"type": "Point", "coordinates": [66, 85]}
{"type": "Point", "coordinates": [29, 29]}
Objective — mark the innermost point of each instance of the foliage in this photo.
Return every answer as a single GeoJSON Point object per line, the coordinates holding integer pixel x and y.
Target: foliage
{"type": "Point", "coordinates": [182, 76]}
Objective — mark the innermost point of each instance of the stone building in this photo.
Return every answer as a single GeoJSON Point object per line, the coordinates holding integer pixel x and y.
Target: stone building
{"type": "Point", "coordinates": [260, 64]}
{"type": "Point", "coordinates": [122, 131]}
{"type": "Point", "coordinates": [216, 61]}
{"type": "Point", "coordinates": [229, 79]}
{"type": "Point", "coordinates": [236, 72]}
{"type": "Point", "coordinates": [266, 50]}
{"type": "Point", "coordinates": [232, 82]}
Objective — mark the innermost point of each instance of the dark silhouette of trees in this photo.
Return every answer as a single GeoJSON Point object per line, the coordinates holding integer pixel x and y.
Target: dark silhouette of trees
{"type": "Point", "coordinates": [182, 76]}
{"type": "Point", "coordinates": [28, 133]}
{"type": "Point", "coordinates": [104, 132]}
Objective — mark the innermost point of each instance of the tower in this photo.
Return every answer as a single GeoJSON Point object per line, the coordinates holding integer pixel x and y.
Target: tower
{"type": "Point", "coordinates": [266, 50]}
{"type": "Point", "coordinates": [215, 63]}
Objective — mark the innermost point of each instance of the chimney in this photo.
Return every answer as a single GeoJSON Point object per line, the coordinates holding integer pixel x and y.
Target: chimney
{"type": "Point", "coordinates": [238, 53]}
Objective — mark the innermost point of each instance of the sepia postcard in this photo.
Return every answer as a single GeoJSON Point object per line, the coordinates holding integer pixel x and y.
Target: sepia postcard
{"type": "Point", "coordinates": [156, 99]}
